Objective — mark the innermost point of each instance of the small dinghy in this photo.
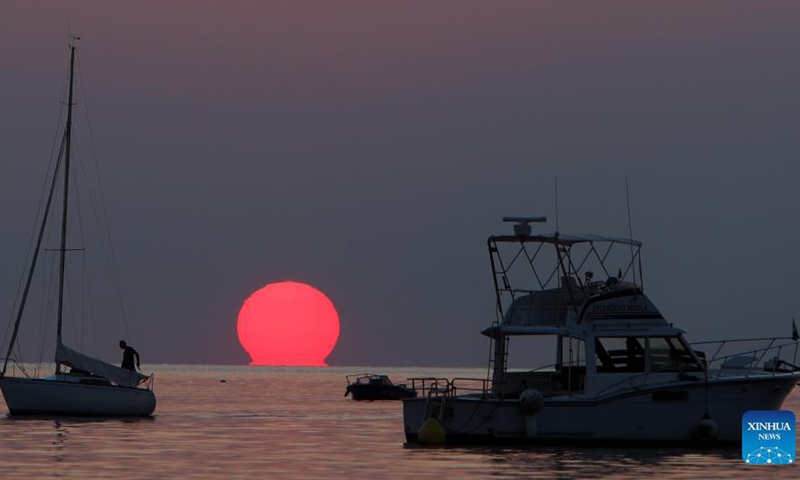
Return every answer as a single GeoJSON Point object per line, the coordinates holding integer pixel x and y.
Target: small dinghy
{"type": "Point", "coordinates": [372, 386]}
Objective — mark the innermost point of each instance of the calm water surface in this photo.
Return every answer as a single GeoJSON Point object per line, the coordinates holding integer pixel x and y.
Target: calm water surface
{"type": "Point", "coordinates": [295, 423]}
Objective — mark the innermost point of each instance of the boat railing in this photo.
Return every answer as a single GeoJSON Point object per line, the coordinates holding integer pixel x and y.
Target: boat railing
{"type": "Point", "coordinates": [150, 382]}
{"type": "Point", "coordinates": [471, 386]}
{"type": "Point", "coordinates": [744, 360]}
{"type": "Point", "coordinates": [432, 386]}
{"type": "Point", "coordinates": [355, 377]}
{"type": "Point", "coordinates": [442, 387]}
{"type": "Point", "coordinates": [17, 369]}
{"type": "Point", "coordinates": [769, 360]}
{"type": "Point", "coordinates": [486, 387]}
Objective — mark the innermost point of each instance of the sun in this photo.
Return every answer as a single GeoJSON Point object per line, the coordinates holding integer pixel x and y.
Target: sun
{"type": "Point", "coordinates": [288, 323]}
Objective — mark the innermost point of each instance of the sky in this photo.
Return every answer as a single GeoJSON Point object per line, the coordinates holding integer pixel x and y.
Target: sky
{"type": "Point", "coordinates": [370, 148]}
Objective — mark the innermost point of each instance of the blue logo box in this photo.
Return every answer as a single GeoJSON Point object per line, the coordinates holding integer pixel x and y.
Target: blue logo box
{"type": "Point", "coordinates": [768, 437]}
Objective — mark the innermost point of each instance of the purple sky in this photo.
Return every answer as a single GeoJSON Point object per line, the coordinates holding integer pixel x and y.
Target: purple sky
{"type": "Point", "coordinates": [369, 149]}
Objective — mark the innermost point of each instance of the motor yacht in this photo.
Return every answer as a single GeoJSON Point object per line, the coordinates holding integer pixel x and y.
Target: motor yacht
{"type": "Point", "coordinates": [621, 372]}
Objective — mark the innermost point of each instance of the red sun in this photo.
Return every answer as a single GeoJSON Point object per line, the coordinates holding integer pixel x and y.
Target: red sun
{"type": "Point", "coordinates": [288, 323]}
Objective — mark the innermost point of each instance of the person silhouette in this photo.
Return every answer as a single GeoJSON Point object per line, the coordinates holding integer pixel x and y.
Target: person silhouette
{"type": "Point", "coordinates": [127, 356]}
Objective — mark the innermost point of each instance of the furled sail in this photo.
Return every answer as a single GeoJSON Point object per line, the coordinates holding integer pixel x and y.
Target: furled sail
{"type": "Point", "coordinates": [120, 376]}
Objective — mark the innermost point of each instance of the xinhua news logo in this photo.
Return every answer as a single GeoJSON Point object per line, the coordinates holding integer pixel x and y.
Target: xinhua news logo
{"type": "Point", "coordinates": [768, 437]}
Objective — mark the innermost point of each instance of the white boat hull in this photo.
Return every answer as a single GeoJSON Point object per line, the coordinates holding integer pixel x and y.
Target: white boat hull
{"type": "Point", "coordinates": [639, 416]}
{"type": "Point", "coordinates": [29, 396]}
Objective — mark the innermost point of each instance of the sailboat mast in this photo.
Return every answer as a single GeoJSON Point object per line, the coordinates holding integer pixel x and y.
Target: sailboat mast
{"type": "Point", "coordinates": [40, 237]}
{"type": "Point", "coordinates": [63, 249]}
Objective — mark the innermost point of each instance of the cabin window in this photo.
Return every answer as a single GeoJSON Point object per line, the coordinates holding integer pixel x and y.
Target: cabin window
{"type": "Point", "coordinates": [619, 354]}
{"type": "Point", "coordinates": [530, 365]}
{"type": "Point", "coordinates": [531, 352]}
{"type": "Point", "coordinates": [670, 354]}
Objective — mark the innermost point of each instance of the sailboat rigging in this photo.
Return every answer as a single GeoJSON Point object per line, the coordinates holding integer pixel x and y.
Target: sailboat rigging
{"type": "Point", "coordinates": [92, 386]}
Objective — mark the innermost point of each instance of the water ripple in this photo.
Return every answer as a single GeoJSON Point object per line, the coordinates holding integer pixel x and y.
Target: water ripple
{"type": "Point", "coordinates": [290, 423]}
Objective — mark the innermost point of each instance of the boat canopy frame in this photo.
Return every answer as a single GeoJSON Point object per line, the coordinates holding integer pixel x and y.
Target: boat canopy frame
{"type": "Point", "coordinates": [514, 252]}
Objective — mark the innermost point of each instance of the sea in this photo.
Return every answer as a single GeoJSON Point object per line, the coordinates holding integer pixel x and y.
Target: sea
{"type": "Point", "coordinates": [232, 422]}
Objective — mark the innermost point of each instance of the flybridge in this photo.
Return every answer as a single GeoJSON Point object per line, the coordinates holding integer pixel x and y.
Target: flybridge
{"type": "Point", "coordinates": [548, 279]}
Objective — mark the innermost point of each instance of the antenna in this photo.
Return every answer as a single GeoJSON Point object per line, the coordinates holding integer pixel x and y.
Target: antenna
{"type": "Point", "coordinates": [630, 226]}
{"type": "Point", "coordinates": [556, 192]}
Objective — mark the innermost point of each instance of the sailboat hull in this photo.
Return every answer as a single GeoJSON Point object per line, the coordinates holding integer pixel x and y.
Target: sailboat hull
{"type": "Point", "coordinates": [36, 396]}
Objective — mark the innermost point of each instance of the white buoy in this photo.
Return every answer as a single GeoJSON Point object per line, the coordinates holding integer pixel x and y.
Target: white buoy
{"type": "Point", "coordinates": [706, 429]}
{"type": "Point", "coordinates": [531, 401]}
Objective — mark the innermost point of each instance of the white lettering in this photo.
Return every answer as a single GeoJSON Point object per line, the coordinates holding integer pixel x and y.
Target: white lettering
{"type": "Point", "coordinates": [768, 426]}
{"type": "Point", "coordinates": [619, 308]}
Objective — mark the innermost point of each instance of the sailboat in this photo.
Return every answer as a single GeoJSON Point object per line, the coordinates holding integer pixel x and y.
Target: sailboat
{"type": "Point", "coordinates": [91, 387]}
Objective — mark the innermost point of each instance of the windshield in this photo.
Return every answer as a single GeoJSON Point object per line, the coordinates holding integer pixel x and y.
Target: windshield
{"type": "Point", "coordinates": [629, 354]}
{"type": "Point", "coordinates": [670, 354]}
